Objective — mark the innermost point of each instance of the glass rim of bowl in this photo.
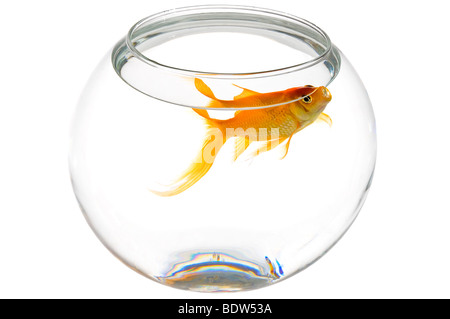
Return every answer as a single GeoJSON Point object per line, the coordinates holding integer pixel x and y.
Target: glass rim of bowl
{"type": "Point", "coordinates": [221, 9]}
{"type": "Point", "coordinates": [319, 66]}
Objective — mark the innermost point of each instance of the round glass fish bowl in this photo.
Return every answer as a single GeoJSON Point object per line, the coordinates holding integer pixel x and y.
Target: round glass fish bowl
{"type": "Point", "coordinates": [222, 148]}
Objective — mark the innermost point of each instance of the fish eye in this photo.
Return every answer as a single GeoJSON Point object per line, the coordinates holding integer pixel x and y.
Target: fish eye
{"type": "Point", "coordinates": [307, 99]}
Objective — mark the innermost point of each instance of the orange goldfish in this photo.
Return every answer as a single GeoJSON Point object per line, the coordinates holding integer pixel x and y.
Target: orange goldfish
{"type": "Point", "coordinates": [295, 109]}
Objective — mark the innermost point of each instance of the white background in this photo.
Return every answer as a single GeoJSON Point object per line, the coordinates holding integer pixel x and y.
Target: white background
{"type": "Point", "coordinates": [397, 248]}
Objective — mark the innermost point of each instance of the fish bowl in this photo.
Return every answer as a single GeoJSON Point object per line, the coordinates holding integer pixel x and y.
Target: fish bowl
{"type": "Point", "coordinates": [222, 148]}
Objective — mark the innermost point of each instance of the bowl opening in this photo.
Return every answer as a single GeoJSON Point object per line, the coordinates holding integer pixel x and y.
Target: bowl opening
{"type": "Point", "coordinates": [230, 35]}
{"type": "Point", "coordinates": [228, 47]}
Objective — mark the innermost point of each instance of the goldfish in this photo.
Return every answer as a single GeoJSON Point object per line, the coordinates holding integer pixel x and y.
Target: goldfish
{"type": "Point", "coordinates": [279, 116]}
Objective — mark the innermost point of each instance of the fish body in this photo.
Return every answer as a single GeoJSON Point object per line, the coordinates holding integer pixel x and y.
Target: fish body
{"type": "Point", "coordinates": [254, 122]}
{"type": "Point", "coordinates": [294, 109]}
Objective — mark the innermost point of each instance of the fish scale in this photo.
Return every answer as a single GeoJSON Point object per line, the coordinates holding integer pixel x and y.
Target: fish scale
{"type": "Point", "coordinates": [263, 121]}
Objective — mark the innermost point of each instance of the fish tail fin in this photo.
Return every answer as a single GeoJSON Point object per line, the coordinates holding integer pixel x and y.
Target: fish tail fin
{"type": "Point", "coordinates": [204, 160]}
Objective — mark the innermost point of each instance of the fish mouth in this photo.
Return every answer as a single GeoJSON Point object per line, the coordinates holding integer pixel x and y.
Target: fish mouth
{"type": "Point", "coordinates": [326, 93]}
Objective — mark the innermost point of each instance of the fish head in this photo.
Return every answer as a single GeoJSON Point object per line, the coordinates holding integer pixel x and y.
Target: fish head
{"type": "Point", "coordinates": [315, 99]}
{"type": "Point", "coordinates": [311, 101]}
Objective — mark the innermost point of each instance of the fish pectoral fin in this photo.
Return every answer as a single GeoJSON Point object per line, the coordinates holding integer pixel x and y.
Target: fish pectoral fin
{"type": "Point", "coordinates": [245, 93]}
{"type": "Point", "coordinates": [324, 118]}
{"type": "Point", "coordinates": [240, 145]}
{"type": "Point", "coordinates": [204, 89]}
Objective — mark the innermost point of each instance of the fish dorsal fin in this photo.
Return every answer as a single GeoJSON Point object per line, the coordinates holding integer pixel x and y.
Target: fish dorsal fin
{"type": "Point", "coordinates": [204, 89]}
{"type": "Point", "coordinates": [202, 113]}
{"type": "Point", "coordinates": [245, 93]}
